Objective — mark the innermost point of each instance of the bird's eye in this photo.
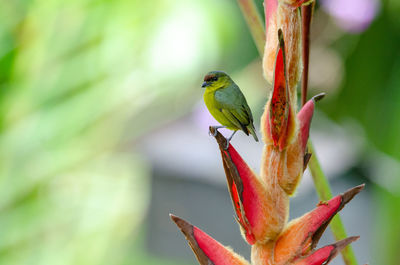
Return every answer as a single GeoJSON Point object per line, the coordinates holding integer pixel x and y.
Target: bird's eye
{"type": "Point", "coordinates": [214, 78]}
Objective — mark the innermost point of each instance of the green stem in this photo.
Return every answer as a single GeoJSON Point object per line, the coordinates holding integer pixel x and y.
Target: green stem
{"type": "Point", "coordinates": [254, 22]}
{"type": "Point", "coordinates": [321, 183]}
{"type": "Point", "coordinates": [324, 193]}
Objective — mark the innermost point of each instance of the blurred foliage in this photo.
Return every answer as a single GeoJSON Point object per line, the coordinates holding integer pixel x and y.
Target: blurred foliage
{"type": "Point", "coordinates": [80, 81]}
{"type": "Point", "coordinates": [370, 92]}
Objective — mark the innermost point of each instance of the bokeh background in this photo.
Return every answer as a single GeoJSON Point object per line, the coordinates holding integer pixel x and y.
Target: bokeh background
{"type": "Point", "coordinates": [103, 131]}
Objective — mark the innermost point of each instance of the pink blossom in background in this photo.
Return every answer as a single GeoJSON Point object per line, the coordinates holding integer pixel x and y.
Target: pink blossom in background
{"type": "Point", "coordinates": [352, 15]}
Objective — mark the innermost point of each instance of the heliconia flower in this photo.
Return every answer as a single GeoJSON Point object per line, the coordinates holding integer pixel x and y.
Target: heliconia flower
{"type": "Point", "coordinates": [261, 202]}
{"type": "Point", "coordinates": [285, 15]}
{"type": "Point", "coordinates": [295, 245]}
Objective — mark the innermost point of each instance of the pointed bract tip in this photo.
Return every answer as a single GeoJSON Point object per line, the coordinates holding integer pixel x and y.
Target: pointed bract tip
{"type": "Point", "coordinates": [189, 232]}
{"type": "Point", "coordinates": [344, 242]}
{"type": "Point", "coordinates": [318, 97]}
{"type": "Point", "coordinates": [212, 131]}
{"type": "Point", "coordinates": [280, 38]}
{"type": "Point", "coordinates": [339, 246]}
{"type": "Point", "coordinates": [349, 194]}
{"type": "Point", "coordinates": [178, 221]}
{"type": "Point", "coordinates": [306, 159]}
{"type": "Point", "coordinates": [185, 227]}
{"type": "Point", "coordinates": [174, 217]}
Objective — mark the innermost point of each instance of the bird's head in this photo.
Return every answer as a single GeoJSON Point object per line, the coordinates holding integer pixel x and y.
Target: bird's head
{"type": "Point", "coordinates": [216, 79]}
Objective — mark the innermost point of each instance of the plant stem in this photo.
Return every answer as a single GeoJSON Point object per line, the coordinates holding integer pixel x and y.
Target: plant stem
{"type": "Point", "coordinates": [324, 192]}
{"type": "Point", "coordinates": [254, 22]}
{"type": "Point", "coordinates": [321, 183]}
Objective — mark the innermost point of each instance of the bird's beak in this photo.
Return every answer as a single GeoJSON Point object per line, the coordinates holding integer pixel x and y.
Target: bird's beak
{"type": "Point", "coordinates": [204, 84]}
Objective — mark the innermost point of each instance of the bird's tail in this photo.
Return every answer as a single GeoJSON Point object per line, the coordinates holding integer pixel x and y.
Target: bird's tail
{"type": "Point", "coordinates": [251, 129]}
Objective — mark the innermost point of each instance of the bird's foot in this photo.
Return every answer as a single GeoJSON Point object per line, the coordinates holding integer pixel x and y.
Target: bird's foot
{"type": "Point", "coordinates": [215, 128]}
{"type": "Point", "coordinates": [227, 145]}
{"type": "Point", "coordinates": [228, 140]}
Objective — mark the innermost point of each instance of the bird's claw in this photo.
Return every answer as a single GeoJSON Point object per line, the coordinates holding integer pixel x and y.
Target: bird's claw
{"type": "Point", "coordinates": [228, 140]}
{"type": "Point", "coordinates": [227, 145]}
{"type": "Point", "coordinates": [215, 128]}
{"type": "Point", "coordinates": [215, 132]}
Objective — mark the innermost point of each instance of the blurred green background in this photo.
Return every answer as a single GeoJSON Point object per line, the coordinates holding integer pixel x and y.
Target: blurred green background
{"type": "Point", "coordinates": [84, 83]}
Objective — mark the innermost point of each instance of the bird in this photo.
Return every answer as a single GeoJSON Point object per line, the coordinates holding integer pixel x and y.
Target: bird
{"type": "Point", "coordinates": [227, 104]}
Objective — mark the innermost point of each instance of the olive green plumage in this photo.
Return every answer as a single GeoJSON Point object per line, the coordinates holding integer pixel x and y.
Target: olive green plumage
{"type": "Point", "coordinates": [227, 104]}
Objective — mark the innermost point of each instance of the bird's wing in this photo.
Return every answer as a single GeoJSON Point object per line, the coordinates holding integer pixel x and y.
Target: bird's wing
{"type": "Point", "coordinates": [233, 119]}
{"type": "Point", "coordinates": [248, 112]}
{"type": "Point", "coordinates": [233, 106]}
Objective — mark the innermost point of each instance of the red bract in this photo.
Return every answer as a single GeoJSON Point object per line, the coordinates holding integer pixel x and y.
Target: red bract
{"type": "Point", "coordinates": [279, 123]}
{"type": "Point", "coordinates": [253, 202]}
{"type": "Point", "coordinates": [207, 250]}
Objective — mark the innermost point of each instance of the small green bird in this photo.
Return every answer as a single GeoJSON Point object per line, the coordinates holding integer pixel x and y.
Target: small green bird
{"type": "Point", "coordinates": [227, 104]}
